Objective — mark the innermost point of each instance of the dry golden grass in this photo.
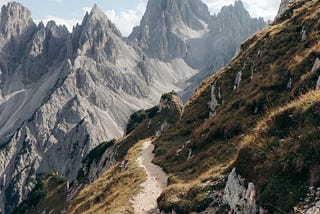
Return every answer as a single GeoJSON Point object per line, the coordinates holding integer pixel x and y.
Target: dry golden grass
{"type": "Point", "coordinates": [113, 190]}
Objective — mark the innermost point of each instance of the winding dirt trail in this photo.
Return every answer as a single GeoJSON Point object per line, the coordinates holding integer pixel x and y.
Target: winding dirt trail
{"type": "Point", "coordinates": [146, 201]}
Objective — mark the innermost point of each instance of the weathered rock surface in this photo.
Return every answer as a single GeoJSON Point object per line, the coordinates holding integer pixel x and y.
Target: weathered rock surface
{"type": "Point", "coordinates": [311, 204]}
{"type": "Point", "coordinates": [284, 5]}
{"type": "Point", "coordinates": [239, 198]}
{"type": "Point", "coordinates": [184, 29]}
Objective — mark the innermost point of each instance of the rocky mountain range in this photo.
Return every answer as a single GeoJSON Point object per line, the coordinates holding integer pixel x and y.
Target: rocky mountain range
{"type": "Point", "coordinates": [185, 29]}
{"type": "Point", "coordinates": [62, 93]}
{"type": "Point", "coordinates": [247, 141]}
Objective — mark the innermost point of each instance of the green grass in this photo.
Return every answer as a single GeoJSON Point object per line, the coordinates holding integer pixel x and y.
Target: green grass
{"type": "Point", "coordinates": [283, 156]}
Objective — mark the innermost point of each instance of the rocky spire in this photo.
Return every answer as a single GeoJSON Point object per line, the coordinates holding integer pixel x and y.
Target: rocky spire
{"type": "Point", "coordinates": [15, 19]}
{"type": "Point", "coordinates": [166, 24]}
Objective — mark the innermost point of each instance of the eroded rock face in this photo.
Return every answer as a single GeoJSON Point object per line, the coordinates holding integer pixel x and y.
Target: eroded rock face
{"type": "Point", "coordinates": [213, 104]}
{"type": "Point", "coordinates": [15, 20]}
{"type": "Point", "coordinates": [237, 80]}
{"type": "Point", "coordinates": [92, 169]}
{"type": "Point", "coordinates": [316, 65]}
{"type": "Point", "coordinates": [310, 204]}
{"type": "Point", "coordinates": [166, 26]}
{"type": "Point", "coordinates": [239, 198]}
{"type": "Point", "coordinates": [318, 84]}
{"type": "Point", "coordinates": [284, 5]}
{"type": "Point", "coordinates": [184, 29]}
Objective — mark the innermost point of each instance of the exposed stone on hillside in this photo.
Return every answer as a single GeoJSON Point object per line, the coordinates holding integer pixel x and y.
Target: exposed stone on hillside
{"type": "Point", "coordinates": [239, 198]}
{"type": "Point", "coordinates": [15, 20]}
{"type": "Point", "coordinates": [237, 81]}
{"type": "Point", "coordinates": [311, 204]}
{"type": "Point", "coordinates": [289, 84]}
{"type": "Point", "coordinates": [316, 65]}
{"type": "Point", "coordinates": [213, 104]}
{"type": "Point", "coordinates": [97, 163]}
{"type": "Point", "coordinates": [318, 84]}
{"type": "Point", "coordinates": [284, 5]}
{"type": "Point", "coordinates": [303, 34]}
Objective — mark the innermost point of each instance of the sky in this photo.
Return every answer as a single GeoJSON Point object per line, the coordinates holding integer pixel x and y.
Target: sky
{"type": "Point", "coordinates": [125, 13]}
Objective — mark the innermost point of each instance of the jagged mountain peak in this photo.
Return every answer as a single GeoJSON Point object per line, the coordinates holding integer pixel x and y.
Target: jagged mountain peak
{"type": "Point", "coordinates": [166, 25]}
{"type": "Point", "coordinates": [15, 19]}
{"type": "Point", "coordinates": [172, 12]}
{"type": "Point", "coordinates": [237, 8]}
{"type": "Point", "coordinates": [13, 7]}
{"type": "Point", "coordinates": [238, 4]}
{"type": "Point", "coordinates": [97, 20]}
{"type": "Point", "coordinates": [97, 13]}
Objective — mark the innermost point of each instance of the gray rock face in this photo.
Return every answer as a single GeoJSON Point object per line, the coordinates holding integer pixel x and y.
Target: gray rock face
{"type": "Point", "coordinates": [15, 20]}
{"type": "Point", "coordinates": [284, 5]}
{"type": "Point", "coordinates": [213, 104]}
{"type": "Point", "coordinates": [226, 31]}
{"type": "Point", "coordinates": [310, 204]}
{"type": "Point", "coordinates": [167, 24]}
{"type": "Point", "coordinates": [92, 171]}
{"type": "Point", "coordinates": [239, 198]}
{"type": "Point", "coordinates": [63, 93]}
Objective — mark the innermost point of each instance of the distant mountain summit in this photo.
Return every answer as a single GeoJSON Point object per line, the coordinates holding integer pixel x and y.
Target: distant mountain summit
{"type": "Point", "coordinates": [15, 20]}
{"type": "Point", "coordinates": [168, 24]}
{"type": "Point", "coordinates": [185, 29]}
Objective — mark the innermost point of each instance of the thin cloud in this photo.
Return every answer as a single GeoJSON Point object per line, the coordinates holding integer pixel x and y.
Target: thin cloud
{"type": "Point", "coordinates": [126, 20]}
{"type": "Point", "coordinates": [2, 2]}
{"type": "Point", "coordinates": [58, 1]}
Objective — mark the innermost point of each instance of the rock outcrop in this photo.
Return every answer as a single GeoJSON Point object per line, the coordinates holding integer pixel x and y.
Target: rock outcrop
{"type": "Point", "coordinates": [284, 5]}
{"type": "Point", "coordinates": [311, 204]}
{"type": "Point", "coordinates": [213, 104]}
{"type": "Point", "coordinates": [239, 198]}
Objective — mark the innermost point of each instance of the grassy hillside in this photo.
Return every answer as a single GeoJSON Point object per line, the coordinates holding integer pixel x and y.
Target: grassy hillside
{"type": "Point", "coordinates": [113, 190]}
{"type": "Point", "coordinates": [275, 67]}
{"type": "Point", "coordinates": [282, 157]}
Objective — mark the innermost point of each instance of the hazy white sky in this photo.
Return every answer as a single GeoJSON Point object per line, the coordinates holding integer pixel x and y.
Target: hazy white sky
{"type": "Point", "coordinates": [126, 13]}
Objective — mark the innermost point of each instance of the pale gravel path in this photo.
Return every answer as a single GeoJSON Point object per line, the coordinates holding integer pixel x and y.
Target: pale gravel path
{"type": "Point", "coordinates": [146, 201]}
